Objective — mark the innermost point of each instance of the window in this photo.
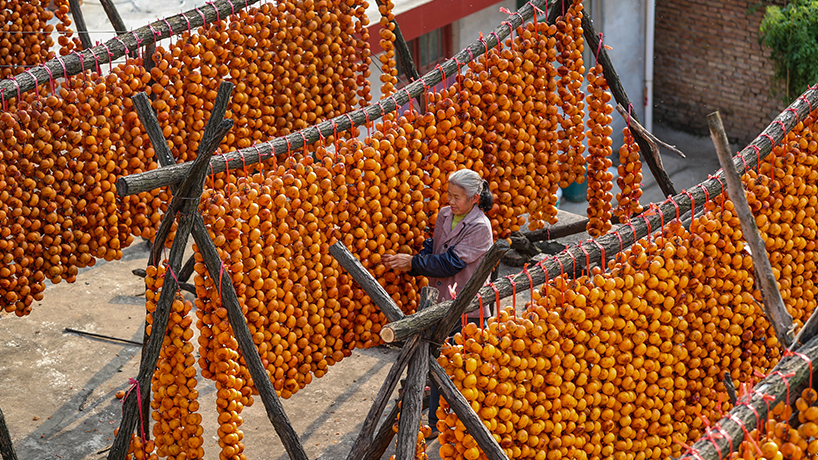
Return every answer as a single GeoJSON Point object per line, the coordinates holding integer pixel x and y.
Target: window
{"type": "Point", "coordinates": [429, 50]}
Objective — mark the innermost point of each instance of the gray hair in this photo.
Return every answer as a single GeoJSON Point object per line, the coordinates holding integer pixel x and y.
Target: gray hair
{"type": "Point", "coordinates": [468, 180]}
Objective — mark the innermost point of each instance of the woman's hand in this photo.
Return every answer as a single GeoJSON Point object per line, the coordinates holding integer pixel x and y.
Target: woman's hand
{"type": "Point", "coordinates": [401, 262]}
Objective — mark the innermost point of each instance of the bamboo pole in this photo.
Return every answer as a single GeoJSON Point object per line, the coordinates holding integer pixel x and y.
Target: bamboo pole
{"type": "Point", "coordinates": [6, 447]}
{"type": "Point", "coordinates": [149, 180]}
{"type": "Point", "coordinates": [754, 407]}
{"type": "Point", "coordinates": [128, 43]}
{"type": "Point", "coordinates": [649, 155]}
{"type": "Point", "coordinates": [774, 306]}
{"type": "Point", "coordinates": [636, 228]}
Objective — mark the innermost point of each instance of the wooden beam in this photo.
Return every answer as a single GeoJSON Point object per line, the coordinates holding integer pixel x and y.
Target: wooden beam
{"type": "Point", "coordinates": [618, 91]}
{"type": "Point", "coordinates": [149, 180]}
{"type": "Point", "coordinates": [465, 413]}
{"type": "Point", "coordinates": [367, 282]}
{"type": "Point", "coordinates": [654, 141]}
{"type": "Point", "coordinates": [114, 17]}
{"type": "Point", "coordinates": [79, 22]}
{"type": "Point", "coordinates": [755, 407]}
{"type": "Point", "coordinates": [6, 447]}
{"type": "Point", "coordinates": [774, 306]}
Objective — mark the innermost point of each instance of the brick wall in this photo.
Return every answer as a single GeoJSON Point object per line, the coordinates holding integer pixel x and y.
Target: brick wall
{"type": "Point", "coordinates": [707, 58]}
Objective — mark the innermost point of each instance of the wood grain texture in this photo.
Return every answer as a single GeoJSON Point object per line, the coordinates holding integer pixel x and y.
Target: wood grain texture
{"type": "Point", "coordinates": [774, 306]}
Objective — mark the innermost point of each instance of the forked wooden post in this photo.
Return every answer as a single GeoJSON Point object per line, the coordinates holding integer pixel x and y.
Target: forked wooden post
{"type": "Point", "coordinates": [186, 199]}
{"type": "Point", "coordinates": [773, 303]}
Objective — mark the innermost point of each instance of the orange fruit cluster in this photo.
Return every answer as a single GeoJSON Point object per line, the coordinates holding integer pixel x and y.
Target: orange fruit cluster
{"type": "Point", "coordinates": [177, 429]}
{"type": "Point", "coordinates": [629, 180]}
{"type": "Point", "coordinates": [420, 447]}
{"type": "Point", "coordinates": [63, 152]}
{"type": "Point", "coordinates": [624, 362]}
{"type": "Point", "coordinates": [389, 70]}
{"type": "Point", "coordinates": [599, 150]}
{"type": "Point", "coordinates": [25, 35]}
{"type": "Point", "coordinates": [570, 44]}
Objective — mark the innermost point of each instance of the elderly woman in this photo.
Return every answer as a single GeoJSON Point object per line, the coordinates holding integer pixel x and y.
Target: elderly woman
{"type": "Point", "coordinates": [462, 236]}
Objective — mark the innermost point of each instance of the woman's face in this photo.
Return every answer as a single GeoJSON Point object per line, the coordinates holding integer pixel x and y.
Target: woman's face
{"type": "Point", "coordinates": [459, 201]}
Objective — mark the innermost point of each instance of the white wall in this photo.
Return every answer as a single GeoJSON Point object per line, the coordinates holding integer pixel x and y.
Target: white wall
{"type": "Point", "coordinates": [467, 30]}
{"type": "Point", "coordinates": [622, 23]}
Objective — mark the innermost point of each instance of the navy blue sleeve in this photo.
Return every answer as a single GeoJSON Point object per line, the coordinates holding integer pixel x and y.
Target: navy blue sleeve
{"type": "Point", "coordinates": [436, 266]}
{"type": "Point", "coordinates": [428, 247]}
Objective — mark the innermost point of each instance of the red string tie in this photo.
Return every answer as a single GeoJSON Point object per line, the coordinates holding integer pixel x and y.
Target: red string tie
{"type": "Point", "coordinates": [740, 423]}
{"type": "Point", "coordinates": [510, 279]}
{"type": "Point", "coordinates": [218, 19]}
{"type": "Point", "coordinates": [723, 188]}
{"type": "Point", "coordinates": [65, 69]}
{"type": "Point", "coordinates": [16, 84]}
{"type": "Point", "coordinates": [781, 124]}
{"type": "Point", "coordinates": [189, 32]}
{"type": "Point", "coordinates": [258, 159]}
{"type": "Point", "coordinates": [471, 55]}
{"type": "Point", "coordinates": [304, 139]}
{"type": "Point", "coordinates": [619, 236]}
{"type": "Point", "coordinates": [785, 378]}
{"type": "Point", "coordinates": [36, 83]}
{"type": "Point", "coordinates": [3, 97]}
{"type": "Point", "coordinates": [289, 150]}
{"type": "Point", "coordinates": [170, 29]}
{"type": "Point", "coordinates": [127, 50]}
{"type": "Point", "coordinates": [795, 111]}
{"type": "Point", "coordinates": [408, 98]}
{"type": "Point", "coordinates": [135, 385]}
{"type": "Point", "coordinates": [690, 450]}
{"type": "Point", "coordinates": [647, 222]}
{"type": "Point", "coordinates": [232, 7]}
{"type": "Point", "coordinates": [530, 281]}
{"type": "Point", "coordinates": [675, 205]}
{"type": "Point", "coordinates": [485, 45]}
{"type": "Point", "coordinates": [744, 161]}
{"type": "Point", "coordinates": [598, 49]}
{"type": "Point", "coordinates": [587, 257]}
{"type": "Point", "coordinates": [573, 262]}
{"type": "Point", "coordinates": [706, 193]}
{"type": "Point", "coordinates": [110, 57]}
{"type": "Point", "coordinates": [50, 79]}
{"type": "Point", "coordinates": [442, 74]}
{"type": "Point", "coordinates": [809, 104]}
{"type": "Point", "coordinates": [788, 352]}
{"type": "Point", "coordinates": [630, 106]}
{"type": "Point", "coordinates": [244, 166]}
{"type": "Point", "coordinates": [496, 298]}
{"type": "Point", "coordinates": [204, 20]}
{"type": "Point", "coordinates": [602, 252]}
{"type": "Point", "coordinates": [769, 138]}
{"type": "Point", "coordinates": [757, 149]}
{"type": "Point", "coordinates": [726, 436]}
{"type": "Point", "coordinates": [136, 37]}
{"type": "Point", "coordinates": [156, 34]}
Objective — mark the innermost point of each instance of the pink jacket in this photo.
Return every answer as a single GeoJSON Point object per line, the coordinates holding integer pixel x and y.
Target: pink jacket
{"type": "Point", "coordinates": [471, 238]}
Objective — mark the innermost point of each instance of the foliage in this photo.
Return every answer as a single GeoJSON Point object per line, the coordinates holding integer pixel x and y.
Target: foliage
{"type": "Point", "coordinates": [792, 34]}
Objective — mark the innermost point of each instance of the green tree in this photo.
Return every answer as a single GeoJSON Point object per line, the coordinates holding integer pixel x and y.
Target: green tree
{"type": "Point", "coordinates": [792, 34]}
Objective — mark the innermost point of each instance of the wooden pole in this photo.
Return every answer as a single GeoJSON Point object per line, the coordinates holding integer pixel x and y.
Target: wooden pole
{"type": "Point", "coordinates": [615, 84]}
{"type": "Point", "coordinates": [6, 447]}
{"type": "Point", "coordinates": [756, 407]}
{"type": "Point", "coordinates": [637, 228]}
{"type": "Point", "coordinates": [113, 16]}
{"type": "Point", "coordinates": [121, 45]}
{"type": "Point", "coordinates": [149, 180]}
{"type": "Point", "coordinates": [654, 141]}
{"type": "Point", "coordinates": [384, 435]}
{"type": "Point", "coordinates": [364, 439]}
{"type": "Point", "coordinates": [372, 288]}
{"type": "Point", "coordinates": [79, 21]}
{"type": "Point", "coordinates": [412, 403]}
{"type": "Point", "coordinates": [465, 413]}
{"type": "Point", "coordinates": [189, 189]}
{"type": "Point", "coordinates": [775, 309]}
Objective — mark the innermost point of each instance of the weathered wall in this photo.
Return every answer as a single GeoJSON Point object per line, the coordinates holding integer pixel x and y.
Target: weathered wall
{"type": "Point", "coordinates": [708, 58]}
